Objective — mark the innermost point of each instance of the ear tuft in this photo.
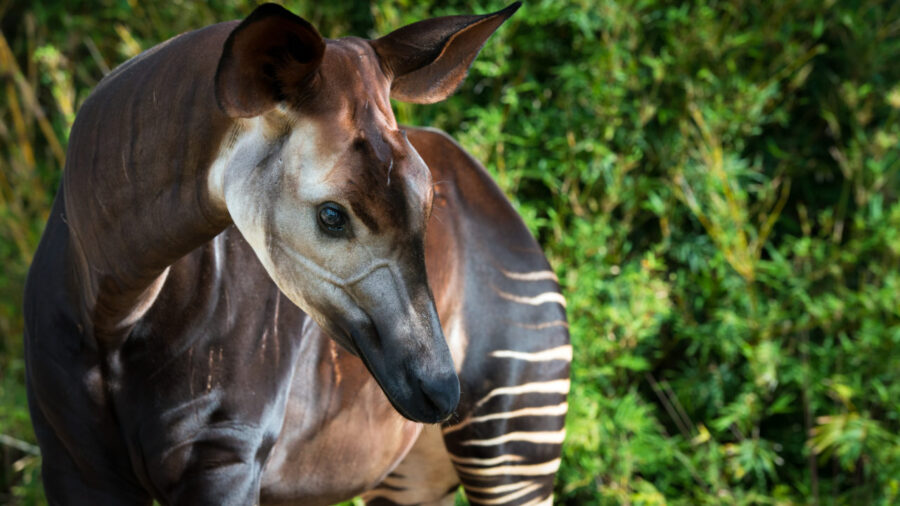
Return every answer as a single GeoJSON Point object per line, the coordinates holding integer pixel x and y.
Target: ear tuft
{"type": "Point", "coordinates": [428, 60]}
{"type": "Point", "coordinates": [268, 58]}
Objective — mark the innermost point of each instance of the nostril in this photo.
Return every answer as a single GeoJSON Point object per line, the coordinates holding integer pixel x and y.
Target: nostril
{"type": "Point", "coordinates": [442, 394]}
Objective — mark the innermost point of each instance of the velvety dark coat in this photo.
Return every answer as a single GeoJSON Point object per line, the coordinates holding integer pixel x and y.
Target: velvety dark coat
{"type": "Point", "coordinates": [220, 390]}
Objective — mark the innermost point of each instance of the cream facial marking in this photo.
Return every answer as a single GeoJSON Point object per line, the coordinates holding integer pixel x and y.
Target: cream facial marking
{"type": "Point", "coordinates": [245, 146]}
{"type": "Point", "coordinates": [232, 183]}
{"type": "Point", "coordinates": [334, 279]}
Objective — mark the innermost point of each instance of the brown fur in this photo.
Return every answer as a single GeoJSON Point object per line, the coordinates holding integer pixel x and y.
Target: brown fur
{"type": "Point", "coordinates": [163, 361]}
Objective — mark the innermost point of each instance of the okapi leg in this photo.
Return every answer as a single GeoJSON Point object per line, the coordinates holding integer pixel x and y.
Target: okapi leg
{"type": "Point", "coordinates": [425, 476]}
{"type": "Point", "coordinates": [515, 379]}
{"type": "Point", "coordinates": [65, 483]}
{"type": "Point", "coordinates": [200, 453]}
{"type": "Point", "coordinates": [506, 448]}
{"type": "Point", "coordinates": [219, 471]}
{"type": "Point", "coordinates": [507, 451]}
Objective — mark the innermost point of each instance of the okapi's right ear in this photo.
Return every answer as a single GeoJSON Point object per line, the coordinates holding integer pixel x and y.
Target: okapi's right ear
{"type": "Point", "coordinates": [428, 60]}
{"type": "Point", "coordinates": [271, 55]}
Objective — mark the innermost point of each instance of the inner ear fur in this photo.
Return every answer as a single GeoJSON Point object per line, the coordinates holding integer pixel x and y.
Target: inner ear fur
{"type": "Point", "coordinates": [270, 57]}
{"type": "Point", "coordinates": [428, 60]}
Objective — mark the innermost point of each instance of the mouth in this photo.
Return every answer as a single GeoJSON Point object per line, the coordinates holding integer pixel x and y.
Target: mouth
{"type": "Point", "coordinates": [351, 340]}
{"type": "Point", "coordinates": [352, 337]}
{"type": "Point", "coordinates": [425, 415]}
{"type": "Point", "coordinates": [421, 386]}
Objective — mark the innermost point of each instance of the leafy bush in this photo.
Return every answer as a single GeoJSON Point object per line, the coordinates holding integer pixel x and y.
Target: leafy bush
{"type": "Point", "coordinates": [715, 182]}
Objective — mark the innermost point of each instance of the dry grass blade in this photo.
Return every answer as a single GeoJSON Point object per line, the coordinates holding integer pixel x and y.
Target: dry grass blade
{"type": "Point", "coordinates": [9, 67]}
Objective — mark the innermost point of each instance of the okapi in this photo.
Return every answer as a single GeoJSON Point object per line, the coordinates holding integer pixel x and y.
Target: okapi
{"type": "Point", "coordinates": [254, 287]}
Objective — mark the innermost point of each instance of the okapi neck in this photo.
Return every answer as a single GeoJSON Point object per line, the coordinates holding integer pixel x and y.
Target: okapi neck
{"type": "Point", "coordinates": [136, 198]}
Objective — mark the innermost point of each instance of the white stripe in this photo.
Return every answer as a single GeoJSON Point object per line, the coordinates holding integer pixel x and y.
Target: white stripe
{"type": "Point", "coordinates": [542, 326]}
{"type": "Point", "coordinates": [547, 501]}
{"type": "Point", "coordinates": [533, 470]}
{"type": "Point", "coordinates": [486, 462]}
{"type": "Point", "coordinates": [419, 495]}
{"type": "Point", "coordinates": [511, 496]}
{"type": "Point", "coordinates": [542, 387]}
{"type": "Point", "coordinates": [499, 488]}
{"type": "Point", "coordinates": [529, 276]}
{"type": "Point", "coordinates": [559, 409]}
{"type": "Point", "coordinates": [559, 353]}
{"type": "Point", "coordinates": [555, 437]}
{"type": "Point", "coordinates": [535, 300]}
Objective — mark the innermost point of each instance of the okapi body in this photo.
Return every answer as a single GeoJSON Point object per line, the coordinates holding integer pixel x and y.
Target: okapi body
{"type": "Point", "coordinates": [254, 287]}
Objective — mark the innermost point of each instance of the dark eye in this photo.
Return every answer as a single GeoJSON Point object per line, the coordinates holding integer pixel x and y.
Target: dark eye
{"type": "Point", "coordinates": [332, 218]}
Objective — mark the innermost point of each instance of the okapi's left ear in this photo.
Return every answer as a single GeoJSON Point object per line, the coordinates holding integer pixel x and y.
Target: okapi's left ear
{"type": "Point", "coordinates": [428, 60]}
{"type": "Point", "coordinates": [268, 58]}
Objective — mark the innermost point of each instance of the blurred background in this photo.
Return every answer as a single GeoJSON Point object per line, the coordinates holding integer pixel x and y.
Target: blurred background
{"type": "Point", "coordinates": [715, 182]}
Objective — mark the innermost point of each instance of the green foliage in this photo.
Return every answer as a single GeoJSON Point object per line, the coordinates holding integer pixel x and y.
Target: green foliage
{"type": "Point", "coordinates": [715, 183]}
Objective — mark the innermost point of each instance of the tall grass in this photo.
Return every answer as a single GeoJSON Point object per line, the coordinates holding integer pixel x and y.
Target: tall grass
{"type": "Point", "coordinates": [31, 154]}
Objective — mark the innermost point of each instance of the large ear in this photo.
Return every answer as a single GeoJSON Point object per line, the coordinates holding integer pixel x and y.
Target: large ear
{"type": "Point", "coordinates": [269, 57]}
{"type": "Point", "coordinates": [428, 60]}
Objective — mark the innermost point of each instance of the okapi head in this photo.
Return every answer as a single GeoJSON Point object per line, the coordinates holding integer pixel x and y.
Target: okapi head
{"type": "Point", "coordinates": [333, 199]}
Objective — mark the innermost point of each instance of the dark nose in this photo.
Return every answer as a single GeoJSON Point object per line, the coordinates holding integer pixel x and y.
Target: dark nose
{"type": "Point", "coordinates": [442, 394]}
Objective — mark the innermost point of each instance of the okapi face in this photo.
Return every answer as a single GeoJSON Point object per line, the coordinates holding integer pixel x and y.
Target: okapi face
{"type": "Point", "coordinates": [327, 190]}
